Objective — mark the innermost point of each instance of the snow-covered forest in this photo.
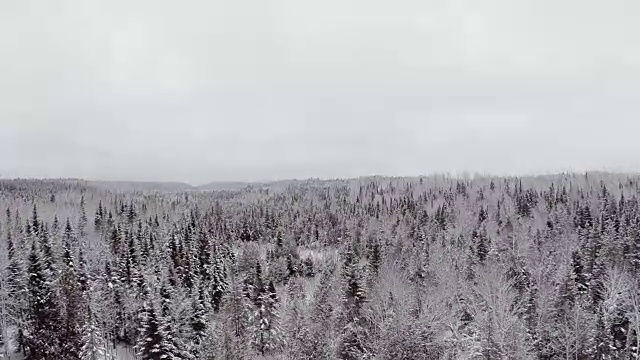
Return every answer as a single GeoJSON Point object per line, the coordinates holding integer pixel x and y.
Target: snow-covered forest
{"type": "Point", "coordinates": [430, 267]}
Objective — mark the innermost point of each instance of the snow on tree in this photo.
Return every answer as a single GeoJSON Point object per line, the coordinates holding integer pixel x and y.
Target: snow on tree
{"type": "Point", "coordinates": [43, 312]}
{"type": "Point", "coordinates": [430, 267]}
{"type": "Point", "coordinates": [93, 342]}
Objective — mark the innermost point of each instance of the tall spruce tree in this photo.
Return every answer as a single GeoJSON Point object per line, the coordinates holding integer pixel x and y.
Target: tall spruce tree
{"type": "Point", "coordinates": [43, 313]}
{"type": "Point", "coordinates": [73, 305]}
{"type": "Point", "coordinates": [267, 333]}
{"type": "Point", "coordinates": [352, 345]}
{"type": "Point", "coordinates": [93, 342]}
{"type": "Point", "coordinates": [154, 341]}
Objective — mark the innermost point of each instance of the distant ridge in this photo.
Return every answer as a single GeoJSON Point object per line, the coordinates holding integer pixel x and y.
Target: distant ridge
{"type": "Point", "coordinates": [176, 186]}
{"type": "Point", "coordinates": [168, 186]}
{"type": "Point", "coordinates": [141, 185]}
{"type": "Point", "coordinates": [225, 185]}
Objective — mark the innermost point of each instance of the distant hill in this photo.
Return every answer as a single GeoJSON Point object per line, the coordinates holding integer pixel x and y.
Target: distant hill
{"type": "Point", "coordinates": [225, 185]}
{"type": "Point", "coordinates": [170, 186]}
{"type": "Point", "coordinates": [279, 185]}
{"type": "Point", "coordinates": [141, 185]}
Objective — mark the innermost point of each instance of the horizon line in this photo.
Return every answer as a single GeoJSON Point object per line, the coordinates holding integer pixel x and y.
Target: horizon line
{"type": "Point", "coordinates": [449, 175]}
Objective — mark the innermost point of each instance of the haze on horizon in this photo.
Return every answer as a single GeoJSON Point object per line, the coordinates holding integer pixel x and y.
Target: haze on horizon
{"type": "Point", "coordinates": [243, 90]}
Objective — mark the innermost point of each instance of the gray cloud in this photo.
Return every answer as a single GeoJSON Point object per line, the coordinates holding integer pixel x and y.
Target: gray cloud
{"type": "Point", "coordinates": [246, 89]}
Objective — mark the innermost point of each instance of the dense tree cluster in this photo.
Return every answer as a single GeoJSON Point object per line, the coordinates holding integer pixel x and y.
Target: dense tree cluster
{"type": "Point", "coordinates": [372, 268]}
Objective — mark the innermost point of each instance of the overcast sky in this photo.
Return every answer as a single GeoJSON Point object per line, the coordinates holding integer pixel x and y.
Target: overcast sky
{"type": "Point", "coordinates": [209, 90]}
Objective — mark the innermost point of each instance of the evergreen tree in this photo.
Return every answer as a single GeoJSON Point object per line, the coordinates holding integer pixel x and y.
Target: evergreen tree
{"type": "Point", "coordinates": [72, 299]}
{"type": "Point", "coordinates": [99, 218]}
{"type": "Point", "coordinates": [598, 341]}
{"type": "Point", "coordinates": [320, 323]}
{"type": "Point", "coordinates": [352, 345]}
{"type": "Point", "coordinates": [82, 275]}
{"type": "Point", "coordinates": [198, 319]}
{"type": "Point", "coordinates": [219, 284]}
{"type": "Point", "coordinates": [237, 309]}
{"type": "Point", "coordinates": [297, 331]}
{"type": "Point", "coordinates": [482, 245]}
{"type": "Point", "coordinates": [375, 258]}
{"type": "Point", "coordinates": [577, 273]}
{"type": "Point", "coordinates": [16, 293]}
{"type": "Point", "coordinates": [48, 256]}
{"type": "Point", "coordinates": [267, 334]}
{"type": "Point", "coordinates": [68, 232]}
{"type": "Point", "coordinates": [154, 341]}
{"type": "Point", "coordinates": [82, 221]}
{"type": "Point", "coordinates": [93, 342]}
{"type": "Point", "coordinates": [35, 222]}
{"type": "Point", "coordinates": [43, 313]}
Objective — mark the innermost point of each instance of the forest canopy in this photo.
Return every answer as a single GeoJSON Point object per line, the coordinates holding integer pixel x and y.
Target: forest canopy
{"type": "Point", "coordinates": [433, 267]}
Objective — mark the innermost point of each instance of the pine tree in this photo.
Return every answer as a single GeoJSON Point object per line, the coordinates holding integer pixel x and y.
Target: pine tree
{"type": "Point", "coordinates": [375, 258]}
{"type": "Point", "coordinates": [99, 218]}
{"type": "Point", "coordinates": [257, 284]}
{"type": "Point", "coordinates": [68, 232]}
{"type": "Point", "coordinates": [168, 320]}
{"type": "Point", "coordinates": [72, 299]}
{"type": "Point", "coordinates": [35, 222]}
{"type": "Point", "coordinates": [482, 244]}
{"type": "Point", "coordinates": [577, 273]}
{"type": "Point", "coordinates": [198, 319]}
{"type": "Point", "coordinates": [116, 241]}
{"type": "Point", "coordinates": [113, 322]}
{"type": "Point", "coordinates": [237, 309]}
{"type": "Point", "coordinates": [267, 334]}
{"type": "Point", "coordinates": [17, 295]}
{"type": "Point", "coordinates": [598, 342]}
{"type": "Point", "coordinates": [321, 318]}
{"type": "Point", "coordinates": [82, 275]}
{"type": "Point", "coordinates": [352, 345]}
{"type": "Point", "coordinates": [93, 343]}
{"type": "Point", "coordinates": [82, 221]}
{"type": "Point", "coordinates": [43, 313]}
{"type": "Point", "coordinates": [48, 257]}
{"type": "Point", "coordinates": [154, 341]}
{"type": "Point", "coordinates": [219, 284]}
{"type": "Point", "coordinates": [131, 212]}
{"type": "Point", "coordinates": [246, 235]}
{"type": "Point", "coordinates": [298, 335]}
